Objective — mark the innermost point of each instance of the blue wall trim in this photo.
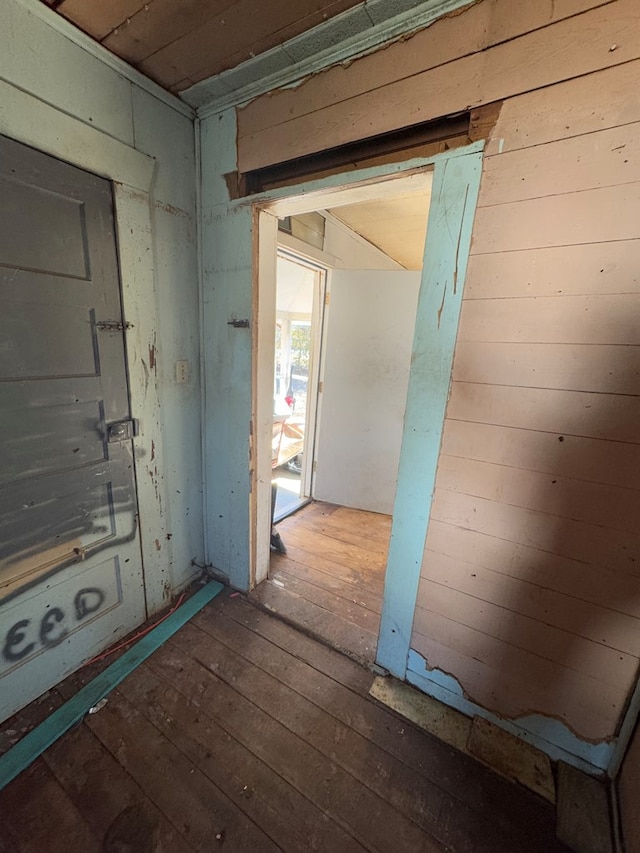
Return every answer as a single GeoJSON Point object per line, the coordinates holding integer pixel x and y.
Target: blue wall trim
{"type": "Point", "coordinates": [550, 736]}
{"type": "Point", "coordinates": [454, 196]}
{"type": "Point", "coordinates": [32, 745]}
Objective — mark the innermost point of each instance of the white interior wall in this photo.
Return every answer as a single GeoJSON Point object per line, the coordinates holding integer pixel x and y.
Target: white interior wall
{"type": "Point", "coordinates": [369, 337]}
{"type": "Point", "coordinates": [64, 95]}
{"type": "Point", "coordinates": [367, 348]}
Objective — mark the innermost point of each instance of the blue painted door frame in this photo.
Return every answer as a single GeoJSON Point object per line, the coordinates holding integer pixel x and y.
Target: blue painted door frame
{"type": "Point", "coordinates": [454, 196]}
{"type": "Point", "coordinates": [455, 189]}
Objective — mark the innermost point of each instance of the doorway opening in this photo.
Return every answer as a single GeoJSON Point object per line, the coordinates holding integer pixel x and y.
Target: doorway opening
{"type": "Point", "coordinates": [300, 287]}
{"type": "Point", "coordinates": [368, 264]}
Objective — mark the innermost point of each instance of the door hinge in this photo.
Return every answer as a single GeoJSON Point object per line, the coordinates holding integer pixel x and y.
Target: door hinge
{"type": "Point", "coordinates": [320, 387]}
{"type": "Point", "coordinates": [113, 325]}
{"type": "Point", "coordinates": [327, 298]}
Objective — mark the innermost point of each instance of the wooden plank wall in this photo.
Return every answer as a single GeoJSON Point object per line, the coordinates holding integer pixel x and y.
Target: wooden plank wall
{"type": "Point", "coordinates": [493, 50]}
{"type": "Point", "coordinates": [530, 586]}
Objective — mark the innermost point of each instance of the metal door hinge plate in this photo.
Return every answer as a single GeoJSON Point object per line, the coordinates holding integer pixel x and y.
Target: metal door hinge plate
{"type": "Point", "coordinates": [122, 431]}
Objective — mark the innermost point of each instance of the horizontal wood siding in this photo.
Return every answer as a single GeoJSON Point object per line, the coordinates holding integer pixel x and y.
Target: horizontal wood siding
{"type": "Point", "coordinates": [530, 585]}
{"type": "Point", "coordinates": [400, 86]}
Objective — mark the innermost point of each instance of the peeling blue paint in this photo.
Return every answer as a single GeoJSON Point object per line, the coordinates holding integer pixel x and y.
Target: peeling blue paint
{"type": "Point", "coordinates": [550, 736]}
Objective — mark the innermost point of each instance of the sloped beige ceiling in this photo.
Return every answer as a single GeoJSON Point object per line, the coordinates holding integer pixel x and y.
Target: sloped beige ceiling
{"type": "Point", "coordinates": [396, 225]}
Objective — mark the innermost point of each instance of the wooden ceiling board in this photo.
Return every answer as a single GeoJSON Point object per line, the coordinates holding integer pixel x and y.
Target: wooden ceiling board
{"type": "Point", "coordinates": [98, 17]}
{"type": "Point", "coordinates": [161, 23]}
{"type": "Point", "coordinates": [226, 40]}
{"type": "Point", "coordinates": [397, 225]}
{"type": "Point", "coordinates": [282, 36]}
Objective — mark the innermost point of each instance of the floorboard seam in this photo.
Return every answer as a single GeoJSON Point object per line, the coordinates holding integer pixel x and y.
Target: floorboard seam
{"type": "Point", "coordinates": [313, 635]}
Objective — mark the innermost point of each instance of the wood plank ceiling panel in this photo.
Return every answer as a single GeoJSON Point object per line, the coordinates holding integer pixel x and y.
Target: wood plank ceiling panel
{"type": "Point", "coordinates": [98, 18]}
{"type": "Point", "coordinates": [248, 30]}
{"type": "Point", "coordinates": [166, 22]}
{"type": "Point", "coordinates": [179, 42]}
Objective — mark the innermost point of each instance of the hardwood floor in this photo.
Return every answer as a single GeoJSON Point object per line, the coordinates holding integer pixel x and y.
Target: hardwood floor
{"type": "Point", "coordinates": [243, 734]}
{"type": "Point", "coordinates": [330, 582]}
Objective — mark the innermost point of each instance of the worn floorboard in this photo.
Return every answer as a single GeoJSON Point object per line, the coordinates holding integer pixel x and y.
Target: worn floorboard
{"type": "Point", "coordinates": [102, 790]}
{"type": "Point", "coordinates": [243, 734]}
{"type": "Point", "coordinates": [38, 815]}
{"type": "Point", "coordinates": [331, 580]}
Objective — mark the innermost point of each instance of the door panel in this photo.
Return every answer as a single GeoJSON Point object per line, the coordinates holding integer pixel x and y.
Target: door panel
{"type": "Point", "coordinates": [70, 565]}
{"type": "Point", "coordinates": [60, 250]}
